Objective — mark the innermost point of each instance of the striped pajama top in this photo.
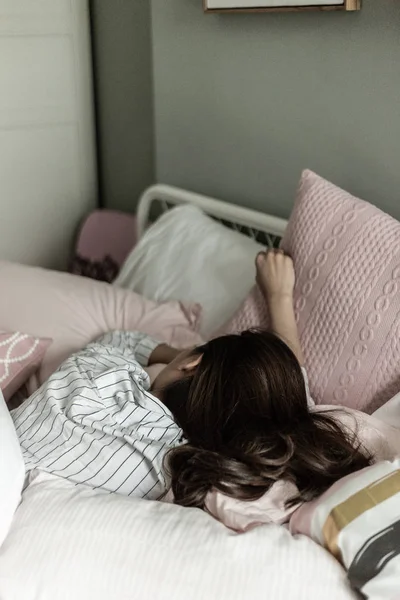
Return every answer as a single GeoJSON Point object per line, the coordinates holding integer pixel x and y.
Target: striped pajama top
{"type": "Point", "coordinates": [96, 423]}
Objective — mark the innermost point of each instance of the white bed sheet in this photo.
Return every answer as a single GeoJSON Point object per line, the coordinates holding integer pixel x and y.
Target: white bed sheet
{"type": "Point", "coordinates": [73, 543]}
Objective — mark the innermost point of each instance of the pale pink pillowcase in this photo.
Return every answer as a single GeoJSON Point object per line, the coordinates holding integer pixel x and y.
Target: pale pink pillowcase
{"type": "Point", "coordinates": [74, 311]}
{"type": "Point", "coordinates": [252, 313]}
{"type": "Point", "coordinates": [20, 356]}
{"type": "Point", "coordinates": [378, 437]}
{"type": "Point", "coordinates": [347, 260]}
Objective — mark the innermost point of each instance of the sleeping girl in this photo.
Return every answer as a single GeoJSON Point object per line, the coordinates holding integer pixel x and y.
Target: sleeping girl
{"type": "Point", "coordinates": [228, 427]}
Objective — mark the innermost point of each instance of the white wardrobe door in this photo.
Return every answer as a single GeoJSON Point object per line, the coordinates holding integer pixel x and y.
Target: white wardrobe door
{"type": "Point", "coordinates": [47, 147]}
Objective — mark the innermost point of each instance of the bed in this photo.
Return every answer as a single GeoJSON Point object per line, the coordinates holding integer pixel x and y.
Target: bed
{"type": "Point", "coordinates": [73, 542]}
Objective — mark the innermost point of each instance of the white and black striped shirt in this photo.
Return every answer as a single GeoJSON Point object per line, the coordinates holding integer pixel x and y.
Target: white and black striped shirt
{"type": "Point", "coordinates": [95, 422]}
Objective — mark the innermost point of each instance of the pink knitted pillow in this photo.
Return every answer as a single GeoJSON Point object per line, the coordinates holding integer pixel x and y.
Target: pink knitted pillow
{"type": "Point", "coordinates": [251, 314]}
{"type": "Point", "coordinates": [20, 356]}
{"type": "Point", "coordinates": [347, 261]}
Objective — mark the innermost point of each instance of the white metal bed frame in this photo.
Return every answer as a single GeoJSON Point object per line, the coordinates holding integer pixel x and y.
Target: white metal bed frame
{"type": "Point", "coordinates": [247, 221]}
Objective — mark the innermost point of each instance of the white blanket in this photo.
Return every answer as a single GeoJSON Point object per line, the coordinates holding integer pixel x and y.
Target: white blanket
{"type": "Point", "coordinates": [71, 543]}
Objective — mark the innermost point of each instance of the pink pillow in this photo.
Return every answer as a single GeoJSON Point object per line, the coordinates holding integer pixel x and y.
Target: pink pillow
{"type": "Point", "coordinates": [73, 311]}
{"type": "Point", "coordinates": [347, 260]}
{"type": "Point", "coordinates": [252, 313]}
{"type": "Point", "coordinates": [381, 439]}
{"type": "Point", "coordinates": [20, 356]}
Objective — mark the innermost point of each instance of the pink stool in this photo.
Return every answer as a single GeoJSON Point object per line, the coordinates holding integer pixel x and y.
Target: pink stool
{"type": "Point", "coordinates": [104, 241]}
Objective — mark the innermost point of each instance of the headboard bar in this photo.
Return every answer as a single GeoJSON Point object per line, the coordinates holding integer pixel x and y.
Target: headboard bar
{"type": "Point", "coordinates": [215, 208]}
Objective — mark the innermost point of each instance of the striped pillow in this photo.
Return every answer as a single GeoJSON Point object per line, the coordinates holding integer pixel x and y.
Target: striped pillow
{"type": "Point", "coordinates": [358, 521]}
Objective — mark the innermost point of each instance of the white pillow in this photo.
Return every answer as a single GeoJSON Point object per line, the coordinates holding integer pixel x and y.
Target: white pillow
{"type": "Point", "coordinates": [188, 256]}
{"type": "Point", "coordinates": [69, 542]}
{"type": "Point", "coordinates": [12, 470]}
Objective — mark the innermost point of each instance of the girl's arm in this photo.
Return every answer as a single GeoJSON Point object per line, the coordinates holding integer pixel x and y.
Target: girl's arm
{"type": "Point", "coordinates": [275, 277]}
{"type": "Point", "coordinates": [146, 350]}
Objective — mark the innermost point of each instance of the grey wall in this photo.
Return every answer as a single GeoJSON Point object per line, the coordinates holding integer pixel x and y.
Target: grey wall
{"type": "Point", "coordinates": [123, 74]}
{"type": "Point", "coordinates": [244, 102]}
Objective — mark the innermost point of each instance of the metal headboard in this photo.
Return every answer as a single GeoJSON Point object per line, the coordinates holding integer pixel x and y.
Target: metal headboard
{"type": "Point", "coordinates": [263, 228]}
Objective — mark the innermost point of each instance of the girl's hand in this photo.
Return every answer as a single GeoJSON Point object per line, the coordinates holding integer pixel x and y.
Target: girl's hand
{"type": "Point", "coordinates": [275, 274]}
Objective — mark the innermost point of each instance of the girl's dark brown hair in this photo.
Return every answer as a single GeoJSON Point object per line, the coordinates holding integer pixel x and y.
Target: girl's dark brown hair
{"type": "Point", "coordinates": [244, 413]}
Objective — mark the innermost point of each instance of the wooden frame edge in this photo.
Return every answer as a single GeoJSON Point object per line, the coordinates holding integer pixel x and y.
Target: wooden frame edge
{"type": "Point", "coordinates": [348, 6]}
{"type": "Point", "coordinates": [352, 5]}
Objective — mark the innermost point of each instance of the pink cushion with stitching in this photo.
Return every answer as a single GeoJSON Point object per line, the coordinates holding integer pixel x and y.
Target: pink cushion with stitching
{"type": "Point", "coordinates": [251, 314]}
{"type": "Point", "coordinates": [347, 260]}
{"type": "Point", "coordinates": [20, 356]}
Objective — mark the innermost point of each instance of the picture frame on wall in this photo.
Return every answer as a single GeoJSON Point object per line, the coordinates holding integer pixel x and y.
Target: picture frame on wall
{"type": "Point", "coordinates": [220, 6]}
